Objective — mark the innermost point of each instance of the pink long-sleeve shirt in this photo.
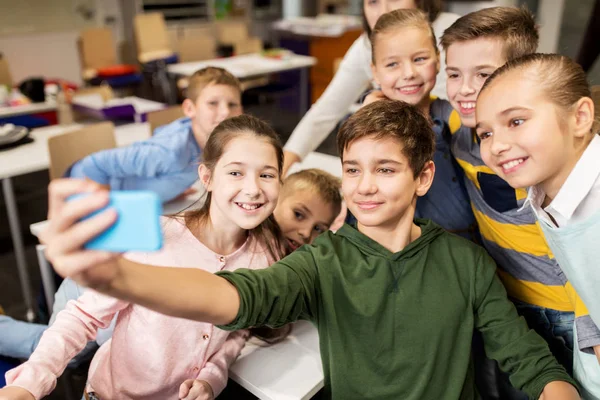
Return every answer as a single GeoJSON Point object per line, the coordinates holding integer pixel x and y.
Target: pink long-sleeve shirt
{"type": "Point", "coordinates": [150, 354]}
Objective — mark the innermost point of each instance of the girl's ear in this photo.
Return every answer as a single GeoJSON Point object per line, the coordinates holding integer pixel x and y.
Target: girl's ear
{"type": "Point", "coordinates": [189, 108]}
{"type": "Point", "coordinates": [374, 73]}
{"type": "Point", "coordinates": [584, 117]}
{"type": "Point", "coordinates": [204, 175]}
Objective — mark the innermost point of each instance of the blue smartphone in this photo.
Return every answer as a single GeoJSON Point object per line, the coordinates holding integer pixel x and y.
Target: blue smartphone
{"type": "Point", "coordinates": [137, 227]}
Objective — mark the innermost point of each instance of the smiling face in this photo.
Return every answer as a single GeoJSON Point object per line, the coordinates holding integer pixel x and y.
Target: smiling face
{"type": "Point", "coordinates": [378, 183]}
{"type": "Point", "coordinates": [214, 104]}
{"type": "Point", "coordinates": [245, 183]}
{"type": "Point", "coordinates": [406, 64]}
{"type": "Point", "coordinates": [303, 215]}
{"type": "Point", "coordinates": [523, 134]}
{"type": "Point", "coordinates": [468, 65]}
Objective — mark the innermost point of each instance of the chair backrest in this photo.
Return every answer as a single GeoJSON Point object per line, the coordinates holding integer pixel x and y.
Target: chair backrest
{"type": "Point", "coordinates": [97, 48]}
{"type": "Point", "coordinates": [70, 147]}
{"type": "Point", "coordinates": [151, 37]}
{"type": "Point", "coordinates": [198, 48]}
{"type": "Point", "coordinates": [103, 90]}
{"type": "Point", "coordinates": [248, 46]}
{"type": "Point", "coordinates": [231, 32]}
{"type": "Point", "coordinates": [164, 117]}
{"type": "Point", "coordinates": [5, 76]}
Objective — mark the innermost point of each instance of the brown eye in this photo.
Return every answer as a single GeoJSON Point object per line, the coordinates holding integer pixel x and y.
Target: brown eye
{"type": "Point", "coordinates": [517, 122]}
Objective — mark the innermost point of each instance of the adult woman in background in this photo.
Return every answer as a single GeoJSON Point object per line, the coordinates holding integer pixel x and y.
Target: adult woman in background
{"type": "Point", "coordinates": [354, 77]}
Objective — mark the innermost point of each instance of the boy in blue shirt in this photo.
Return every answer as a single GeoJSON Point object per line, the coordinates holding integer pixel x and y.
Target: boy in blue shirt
{"type": "Point", "coordinates": [167, 162]}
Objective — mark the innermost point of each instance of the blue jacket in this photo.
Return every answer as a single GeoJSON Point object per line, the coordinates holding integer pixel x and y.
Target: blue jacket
{"type": "Point", "coordinates": [166, 163]}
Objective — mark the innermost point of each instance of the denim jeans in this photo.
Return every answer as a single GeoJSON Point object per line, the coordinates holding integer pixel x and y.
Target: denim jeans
{"type": "Point", "coordinates": [555, 327]}
{"type": "Point", "coordinates": [19, 339]}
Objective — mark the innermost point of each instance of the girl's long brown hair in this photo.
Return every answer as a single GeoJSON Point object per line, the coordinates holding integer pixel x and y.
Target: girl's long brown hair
{"type": "Point", "coordinates": [268, 232]}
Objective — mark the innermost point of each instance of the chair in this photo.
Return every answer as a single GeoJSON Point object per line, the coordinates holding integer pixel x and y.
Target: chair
{"type": "Point", "coordinates": [248, 46]}
{"type": "Point", "coordinates": [163, 117]}
{"type": "Point", "coordinates": [5, 76]}
{"type": "Point", "coordinates": [97, 50]}
{"type": "Point", "coordinates": [235, 33]}
{"type": "Point", "coordinates": [190, 48]}
{"type": "Point", "coordinates": [231, 32]}
{"type": "Point", "coordinates": [151, 37]}
{"type": "Point", "coordinates": [66, 149]}
{"type": "Point", "coordinates": [99, 62]}
{"type": "Point", "coordinates": [154, 51]}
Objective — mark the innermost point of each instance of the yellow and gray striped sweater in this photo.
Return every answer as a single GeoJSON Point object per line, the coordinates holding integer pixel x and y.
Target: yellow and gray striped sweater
{"type": "Point", "coordinates": [514, 239]}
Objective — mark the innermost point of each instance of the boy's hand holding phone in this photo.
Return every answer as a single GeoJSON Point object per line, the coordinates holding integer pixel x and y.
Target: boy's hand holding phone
{"type": "Point", "coordinates": [75, 222]}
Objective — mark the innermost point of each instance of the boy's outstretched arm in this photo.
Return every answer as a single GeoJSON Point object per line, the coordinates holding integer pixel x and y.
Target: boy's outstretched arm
{"type": "Point", "coordinates": [520, 352]}
{"type": "Point", "coordinates": [188, 293]}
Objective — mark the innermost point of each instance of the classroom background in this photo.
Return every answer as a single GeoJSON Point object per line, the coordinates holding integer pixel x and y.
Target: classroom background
{"type": "Point", "coordinates": [65, 64]}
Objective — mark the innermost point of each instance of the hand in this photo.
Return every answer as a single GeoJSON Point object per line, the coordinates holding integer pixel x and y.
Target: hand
{"type": "Point", "coordinates": [372, 97]}
{"type": "Point", "coordinates": [597, 351]}
{"type": "Point", "coordinates": [100, 185]}
{"type": "Point", "coordinates": [65, 236]}
{"type": "Point", "coordinates": [559, 390]}
{"type": "Point", "coordinates": [194, 389]}
{"type": "Point", "coordinates": [289, 159]}
{"type": "Point", "coordinates": [15, 393]}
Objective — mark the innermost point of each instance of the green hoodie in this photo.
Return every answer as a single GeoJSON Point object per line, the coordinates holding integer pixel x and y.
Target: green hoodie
{"type": "Point", "coordinates": [397, 325]}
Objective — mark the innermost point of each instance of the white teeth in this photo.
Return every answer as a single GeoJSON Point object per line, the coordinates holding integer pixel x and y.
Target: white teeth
{"type": "Point", "coordinates": [248, 206]}
{"type": "Point", "coordinates": [467, 104]}
{"type": "Point", "coordinates": [512, 164]}
{"type": "Point", "coordinates": [409, 89]}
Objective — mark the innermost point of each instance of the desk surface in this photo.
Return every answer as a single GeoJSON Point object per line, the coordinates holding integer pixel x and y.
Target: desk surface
{"type": "Point", "coordinates": [246, 66]}
{"type": "Point", "coordinates": [27, 109]}
{"type": "Point", "coordinates": [34, 156]}
{"type": "Point", "coordinates": [289, 370]}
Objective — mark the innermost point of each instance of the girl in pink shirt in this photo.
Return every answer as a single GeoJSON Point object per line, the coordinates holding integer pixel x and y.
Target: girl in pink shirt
{"type": "Point", "coordinates": [151, 355]}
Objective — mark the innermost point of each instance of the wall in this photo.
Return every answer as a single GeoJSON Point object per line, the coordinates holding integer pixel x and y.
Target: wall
{"type": "Point", "coordinates": [41, 37]}
{"type": "Point", "coordinates": [52, 55]}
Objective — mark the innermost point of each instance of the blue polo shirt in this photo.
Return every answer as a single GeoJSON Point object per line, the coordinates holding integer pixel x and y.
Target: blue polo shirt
{"type": "Point", "coordinates": [166, 163]}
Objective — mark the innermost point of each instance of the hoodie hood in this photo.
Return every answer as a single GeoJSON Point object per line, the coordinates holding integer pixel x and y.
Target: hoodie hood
{"type": "Point", "coordinates": [429, 232]}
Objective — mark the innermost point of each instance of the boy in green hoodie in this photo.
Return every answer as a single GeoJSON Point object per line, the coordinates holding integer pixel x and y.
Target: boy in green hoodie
{"type": "Point", "coordinates": [395, 300]}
